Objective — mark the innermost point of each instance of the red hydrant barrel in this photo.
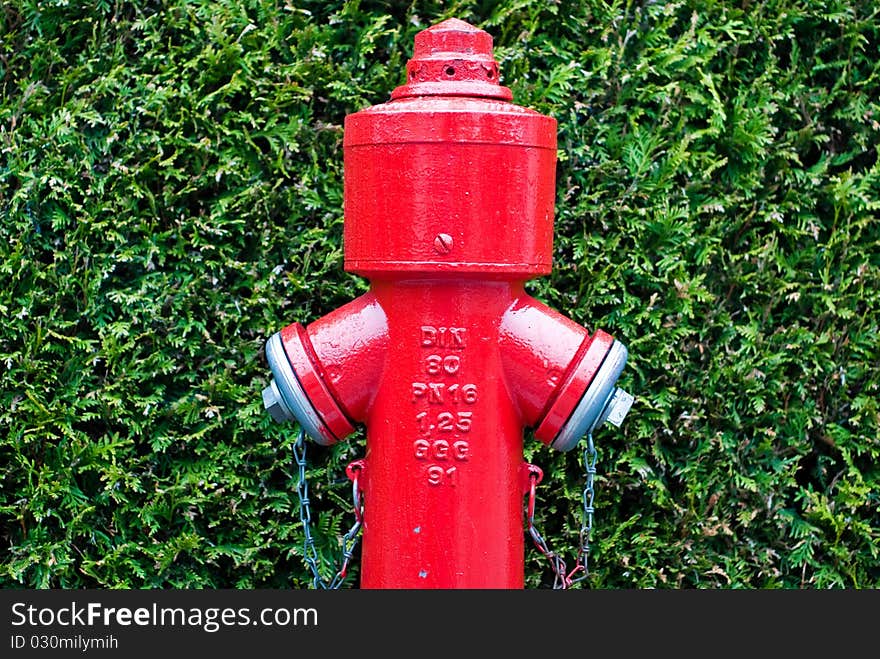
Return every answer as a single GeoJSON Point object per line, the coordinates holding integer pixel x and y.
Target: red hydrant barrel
{"type": "Point", "coordinates": [449, 199]}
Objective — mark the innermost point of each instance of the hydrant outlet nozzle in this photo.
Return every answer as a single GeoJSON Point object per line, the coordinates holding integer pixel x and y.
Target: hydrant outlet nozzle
{"type": "Point", "coordinates": [285, 399]}
{"type": "Point", "coordinates": [601, 401]}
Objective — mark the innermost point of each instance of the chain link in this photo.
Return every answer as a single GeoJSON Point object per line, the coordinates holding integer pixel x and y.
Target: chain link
{"type": "Point", "coordinates": [563, 579]}
{"type": "Point", "coordinates": [349, 540]}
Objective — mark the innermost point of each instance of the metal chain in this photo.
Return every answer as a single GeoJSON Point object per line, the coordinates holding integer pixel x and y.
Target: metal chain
{"type": "Point", "coordinates": [562, 578]}
{"type": "Point", "coordinates": [349, 540]}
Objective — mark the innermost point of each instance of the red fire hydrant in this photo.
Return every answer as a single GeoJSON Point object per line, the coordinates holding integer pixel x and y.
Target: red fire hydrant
{"type": "Point", "coordinates": [449, 199]}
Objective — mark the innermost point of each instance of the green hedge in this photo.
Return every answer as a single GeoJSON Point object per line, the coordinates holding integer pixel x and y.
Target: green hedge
{"type": "Point", "coordinates": [171, 195]}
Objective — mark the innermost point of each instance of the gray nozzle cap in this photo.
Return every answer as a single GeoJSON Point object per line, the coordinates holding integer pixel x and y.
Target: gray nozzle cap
{"type": "Point", "coordinates": [285, 399]}
{"type": "Point", "coordinates": [602, 401]}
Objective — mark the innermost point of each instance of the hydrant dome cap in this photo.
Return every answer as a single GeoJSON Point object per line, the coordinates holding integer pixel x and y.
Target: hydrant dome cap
{"type": "Point", "coordinates": [452, 35]}
{"type": "Point", "coordinates": [452, 58]}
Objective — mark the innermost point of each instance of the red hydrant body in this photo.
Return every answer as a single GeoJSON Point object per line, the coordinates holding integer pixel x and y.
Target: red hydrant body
{"type": "Point", "coordinates": [449, 197]}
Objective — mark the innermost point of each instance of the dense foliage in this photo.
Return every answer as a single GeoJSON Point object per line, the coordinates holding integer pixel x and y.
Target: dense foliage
{"type": "Point", "coordinates": [171, 195]}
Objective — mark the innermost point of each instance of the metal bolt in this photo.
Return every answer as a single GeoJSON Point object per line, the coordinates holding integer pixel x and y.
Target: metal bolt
{"type": "Point", "coordinates": [273, 403]}
{"type": "Point", "coordinates": [443, 243]}
{"type": "Point", "coordinates": [618, 406]}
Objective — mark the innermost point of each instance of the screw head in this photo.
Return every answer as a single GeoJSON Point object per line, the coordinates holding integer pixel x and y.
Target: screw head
{"type": "Point", "coordinates": [443, 243]}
